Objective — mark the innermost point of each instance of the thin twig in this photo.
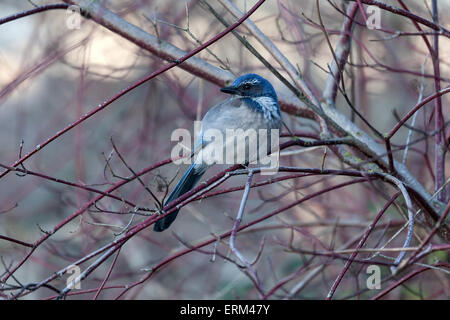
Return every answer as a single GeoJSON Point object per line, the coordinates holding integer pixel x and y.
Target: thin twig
{"type": "Point", "coordinates": [236, 226]}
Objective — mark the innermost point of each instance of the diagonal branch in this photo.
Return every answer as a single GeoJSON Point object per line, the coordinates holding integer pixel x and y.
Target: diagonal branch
{"type": "Point", "coordinates": [331, 86]}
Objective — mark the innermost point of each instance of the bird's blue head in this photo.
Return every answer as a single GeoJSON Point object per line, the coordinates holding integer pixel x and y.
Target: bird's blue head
{"type": "Point", "coordinates": [257, 93]}
{"type": "Point", "coordinates": [251, 85]}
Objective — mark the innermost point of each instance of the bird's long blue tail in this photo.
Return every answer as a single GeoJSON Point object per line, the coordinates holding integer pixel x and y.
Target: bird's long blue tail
{"type": "Point", "coordinates": [187, 182]}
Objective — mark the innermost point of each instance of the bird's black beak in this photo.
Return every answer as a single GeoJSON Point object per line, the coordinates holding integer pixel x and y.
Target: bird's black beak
{"type": "Point", "coordinates": [230, 90]}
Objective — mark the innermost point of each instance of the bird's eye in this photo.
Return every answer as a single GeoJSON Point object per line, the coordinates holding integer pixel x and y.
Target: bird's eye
{"type": "Point", "coordinates": [246, 86]}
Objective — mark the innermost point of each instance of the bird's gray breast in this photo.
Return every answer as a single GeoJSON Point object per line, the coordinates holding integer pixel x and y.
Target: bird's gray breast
{"type": "Point", "coordinates": [246, 135]}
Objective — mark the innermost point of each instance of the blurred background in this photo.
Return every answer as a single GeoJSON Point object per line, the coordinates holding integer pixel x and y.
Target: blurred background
{"type": "Point", "coordinates": [52, 75]}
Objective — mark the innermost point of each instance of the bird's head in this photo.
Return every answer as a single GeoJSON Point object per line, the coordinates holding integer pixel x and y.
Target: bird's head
{"type": "Point", "coordinates": [251, 86]}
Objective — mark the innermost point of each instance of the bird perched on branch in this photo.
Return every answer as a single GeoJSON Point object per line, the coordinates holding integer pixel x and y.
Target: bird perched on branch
{"type": "Point", "coordinates": [250, 116]}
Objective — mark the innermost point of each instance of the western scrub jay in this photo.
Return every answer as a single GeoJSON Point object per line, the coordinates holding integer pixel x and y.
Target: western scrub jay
{"type": "Point", "coordinates": [253, 105]}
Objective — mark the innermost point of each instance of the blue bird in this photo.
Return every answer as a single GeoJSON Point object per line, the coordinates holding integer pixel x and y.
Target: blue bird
{"type": "Point", "coordinates": [253, 105]}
